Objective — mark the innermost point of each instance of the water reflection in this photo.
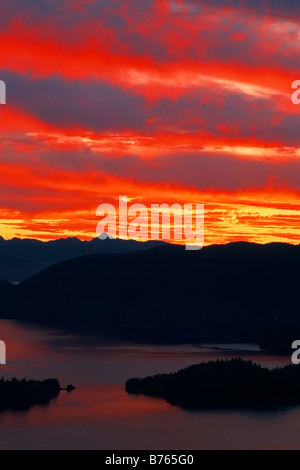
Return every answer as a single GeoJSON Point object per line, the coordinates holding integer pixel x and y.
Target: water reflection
{"type": "Point", "coordinates": [100, 415]}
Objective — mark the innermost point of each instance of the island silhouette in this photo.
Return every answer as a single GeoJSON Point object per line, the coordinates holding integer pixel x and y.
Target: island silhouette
{"type": "Point", "coordinates": [223, 384]}
{"type": "Point", "coordinates": [20, 395]}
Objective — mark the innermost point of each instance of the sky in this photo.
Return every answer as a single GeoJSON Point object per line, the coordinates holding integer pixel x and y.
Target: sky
{"type": "Point", "coordinates": [164, 101]}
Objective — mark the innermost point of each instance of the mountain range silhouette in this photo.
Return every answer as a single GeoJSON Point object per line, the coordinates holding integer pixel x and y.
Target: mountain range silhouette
{"type": "Point", "coordinates": [23, 258]}
{"type": "Point", "coordinates": [235, 292]}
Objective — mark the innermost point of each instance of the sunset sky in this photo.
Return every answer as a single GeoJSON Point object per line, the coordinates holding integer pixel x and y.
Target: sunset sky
{"type": "Point", "coordinates": [163, 101]}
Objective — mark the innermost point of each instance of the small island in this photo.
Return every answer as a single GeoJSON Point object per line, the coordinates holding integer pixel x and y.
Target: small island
{"type": "Point", "coordinates": [230, 384]}
{"type": "Point", "coordinates": [20, 395]}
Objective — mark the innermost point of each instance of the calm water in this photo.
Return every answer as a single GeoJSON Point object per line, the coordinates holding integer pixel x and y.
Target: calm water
{"type": "Point", "coordinates": [100, 415]}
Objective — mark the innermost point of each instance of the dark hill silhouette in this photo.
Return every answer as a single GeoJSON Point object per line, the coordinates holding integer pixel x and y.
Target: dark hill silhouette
{"type": "Point", "coordinates": [5, 288]}
{"type": "Point", "coordinates": [16, 270]}
{"type": "Point", "coordinates": [23, 258]}
{"type": "Point", "coordinates": [238, 291]}
{"type": "Point", "coordinates": [223, 384]}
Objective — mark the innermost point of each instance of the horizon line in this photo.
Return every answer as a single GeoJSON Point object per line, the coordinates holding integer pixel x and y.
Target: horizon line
{"type": "Point", "coordinates": [167, 242]}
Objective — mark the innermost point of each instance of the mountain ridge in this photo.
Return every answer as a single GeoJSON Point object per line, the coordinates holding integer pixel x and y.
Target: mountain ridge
{"type": "Point", "coordinates": [243, 292]}
{"type": "Point", "coordinates": [29, 256]}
